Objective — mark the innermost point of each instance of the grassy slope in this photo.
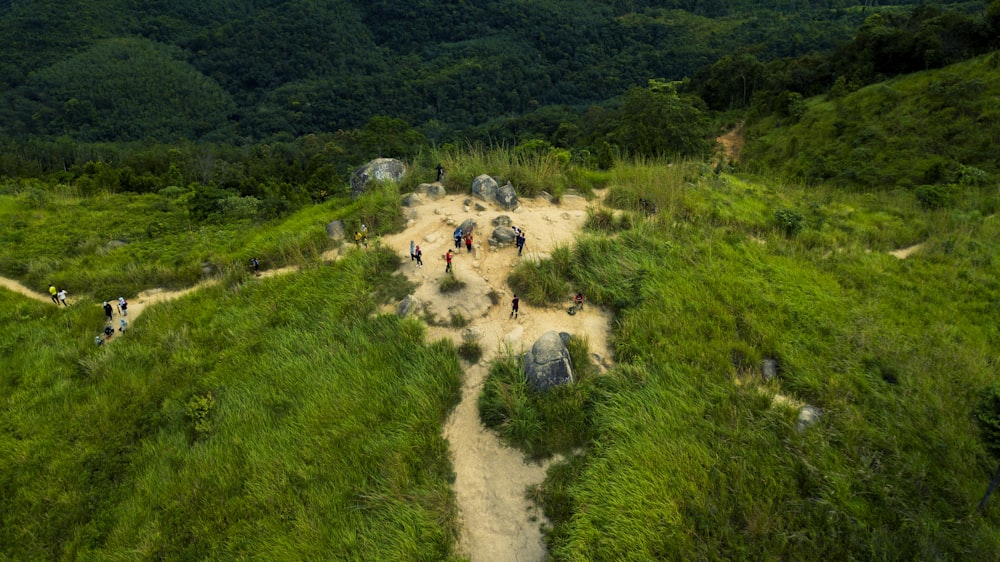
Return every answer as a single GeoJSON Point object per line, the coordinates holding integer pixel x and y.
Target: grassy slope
{"type": "Point", "coordinates": [322, 441]}
{"type": "Point", "coordinates": [64, 239]}
{"type": "Point", "coordinates": [899, 132]}
{"type": "Point", "coordinates": [685, 464]}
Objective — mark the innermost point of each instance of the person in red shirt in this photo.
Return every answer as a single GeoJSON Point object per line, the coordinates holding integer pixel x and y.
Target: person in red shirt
{"type": "Point", "coordinates": [468, 242]}
{"type": "Point", "coordinates": [447, 258]}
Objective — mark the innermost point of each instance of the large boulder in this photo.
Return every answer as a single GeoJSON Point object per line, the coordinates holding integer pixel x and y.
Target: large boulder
{"type": "Point", "coordinates": [548, 364]}
{"type": "Point", "coordinates": [507, 197]}
{"type": "Point", "coordinates": [433, 190]}
{"type": "Point", "coordinates": [502, 235]}
{"type": "Point", "coordinates": [485, 188]}
{"type": "Point", "coordinates": [379, 170]}
{"type": "Point", "coordinates": [407, 306]}
{"type": "Point", "coordinates": [335, 230]}
{"type": "Point", "coordinates": [468, 226]}
{"type": "Point", "coordinates": [411, 200]}
{"type": "Point", "coordinates": [502, 220]}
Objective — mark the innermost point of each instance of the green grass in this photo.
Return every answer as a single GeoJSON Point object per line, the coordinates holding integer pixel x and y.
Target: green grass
{"type": "Point", "coordinates": [931, 127]}
{"type": "Point", "coordinates": [682, 463]}
{"type": "Point", "coordinates": [321, 438]}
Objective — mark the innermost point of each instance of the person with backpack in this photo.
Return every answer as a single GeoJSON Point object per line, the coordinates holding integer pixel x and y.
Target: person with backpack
{"type": "Point", "coordinates": [108, 332]}
{"type": "Point", "coordinates": [468, 242]}
{"type": "Point", "coordinates": [109, 312]}
{"type": "Point", "coordinates": [419, 255]}
{"type": "Point", "coordinates": [413, 256]}
{"type": "Point", "coordinates": [440, 171]}
{"type": "Point", "coordinates": [519, 241]}
{"type": "Point", "coordinates": [458, 238]}
{"type": "Point", "coordinates": [578, 301]}
{"type": "Point", "coordinates": [255, 264]}
{"type": "Point", "coordinates": [514, 306]}
{"type": "Point", "coordinates": [53, 292]}
{"type": "Point", "coordinates": [447, 258]}
{"type": "Point", "coordinates": [62, 297]}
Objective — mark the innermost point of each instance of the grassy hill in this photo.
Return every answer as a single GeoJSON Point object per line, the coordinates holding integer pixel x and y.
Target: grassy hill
{"type": "Point", "coordinates": [934, 127]}
{"type": "Point", "coordinates": [285, 419]}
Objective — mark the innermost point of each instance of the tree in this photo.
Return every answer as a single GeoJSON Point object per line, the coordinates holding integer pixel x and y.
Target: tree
{"type": "Point", "coordinates": [987, 414]}
{"type": "Point", "coordinates": [657, 121]}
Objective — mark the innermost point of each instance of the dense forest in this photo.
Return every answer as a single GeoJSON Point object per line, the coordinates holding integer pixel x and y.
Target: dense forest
{"type": "Point", "coordinates": [279, 100]}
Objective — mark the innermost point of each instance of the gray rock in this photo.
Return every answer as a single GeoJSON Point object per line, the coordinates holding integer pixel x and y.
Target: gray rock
{"type": "Point", "coordinates": [378, 170]}
{"type": "Point", "coordinates": [468, 225]}
{"type": "Point", "coordinates": [485, 188]}
{"type": "Point", "coordinates": [407, 306]}
{"type": "Point", "coordinates": [546, 196]}
{"type": "Point", "coordinates": [507, 197]}
{"type": "Point", "coordinates": [548, 364]}
{"type": "Point", "coordinates": [769, 369]}
{"type": "Point", "coordinates": [207, 269]}
{"type": "Point", "coordinates": [433, 190]}
{"type": "Point", "coordinates": [411, 200]}
{"type": "Point", "coordinates": [808, 415]}
{"type": "Point", "coordinates": [479, 207]}
{"type": "Point", "coordinates": [335, 230]}
{"type": "Point", "coordinates": [112, 244]}
{"type": "Point", "coordinates": [565, 336]}
{"type": "Point", "coordinates": [502, 220]}
{"type": "Point", "coordinates": [502, 235]}
{"type": "Point", "coordinates": [471, 334]}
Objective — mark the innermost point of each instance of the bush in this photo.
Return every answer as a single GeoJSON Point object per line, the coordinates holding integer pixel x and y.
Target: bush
{"type": "Point", "coordinates": [449, 284]}
{"type": "Point", "coordinates": [790, 221]}
{"type": "Point", "coordinates": [470, 351]}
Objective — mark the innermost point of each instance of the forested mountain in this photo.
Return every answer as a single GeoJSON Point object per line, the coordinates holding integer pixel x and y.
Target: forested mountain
{"type": "Point", "coordinates": [294, 67]}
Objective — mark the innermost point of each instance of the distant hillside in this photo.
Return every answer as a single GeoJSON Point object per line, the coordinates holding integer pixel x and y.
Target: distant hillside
{"type": "Point", "coordinates": [297, 67]}
{"type": "Point", "coordinates": [934, 127]}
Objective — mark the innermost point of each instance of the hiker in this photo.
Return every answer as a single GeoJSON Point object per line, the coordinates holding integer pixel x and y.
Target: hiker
{"type": "Point", "coordinates": [447, 258]}
{"type": "Point", "coordinates": [412, 255]}
{"type": "Point", "coordinates": [440, 171]}
{"type": "Point", "coordinates": [124, 306]}
{"type": "Point", "coordinates": [357, 238]}
{"type": "Point", "coordinates": [458, 238]}
{"type": "Point", "coordinates": [121, 301]}
{"type": "Point", "coordinates": [62, 297]}
{"type": "Point", "coordinates": [516, 229]}
{"type": "Point", "coordinates": [578, 301]}
{"type": "Point", "coordinates": [468, 242]}
{"type": "Point", "coordinates": [419, 255]}
{"type": "Point", "coordinates": [255, 264]}
{"type": "Point", "coordinates": [108, 332]}
{"type": "Point", "coordinates": [53, 292]}
{"type": "Point", "coordinates": [520, 243]}
{"type": "Point", "coordinates": [109, 312]}
{"type": "Point", "coordinates": [513, 306]}
{"type": "Point", "coordinates": [123, 325]}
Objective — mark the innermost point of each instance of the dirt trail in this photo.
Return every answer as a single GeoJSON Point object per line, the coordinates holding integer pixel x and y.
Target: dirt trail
{"type": "Point", "coordinates": [497, 520]}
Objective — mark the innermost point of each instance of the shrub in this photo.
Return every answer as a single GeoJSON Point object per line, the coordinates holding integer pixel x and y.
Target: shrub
{"type": "Point", "coordinates": [450, 284]}
{"type": "Point", "coordinates": [790, 221]}
{"type": "Point", "coordinates": [470, 351]}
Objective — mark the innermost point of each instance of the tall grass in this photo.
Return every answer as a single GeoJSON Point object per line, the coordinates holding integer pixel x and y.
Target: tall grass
{"type": "Point", "coordinates": [322, 440]}
{"type": "Point", "coordinates": [686, 464]}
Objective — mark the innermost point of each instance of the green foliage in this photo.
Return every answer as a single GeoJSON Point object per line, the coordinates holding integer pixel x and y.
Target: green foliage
{"type": "Point", "coordinates": [932, 128]}
{"type": "Point", "coordinates": [789, 221]}
{"type": "Point", "coordinates": [470, 351]}
{"type": "Point", "coordinates": [127, 89]}
{"type": "Point", "coordinates": [449, 284]}
{"type": "Point", "coordinates": [199, 411]}
{"type": "Point", "coordinates": [987, 415]}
